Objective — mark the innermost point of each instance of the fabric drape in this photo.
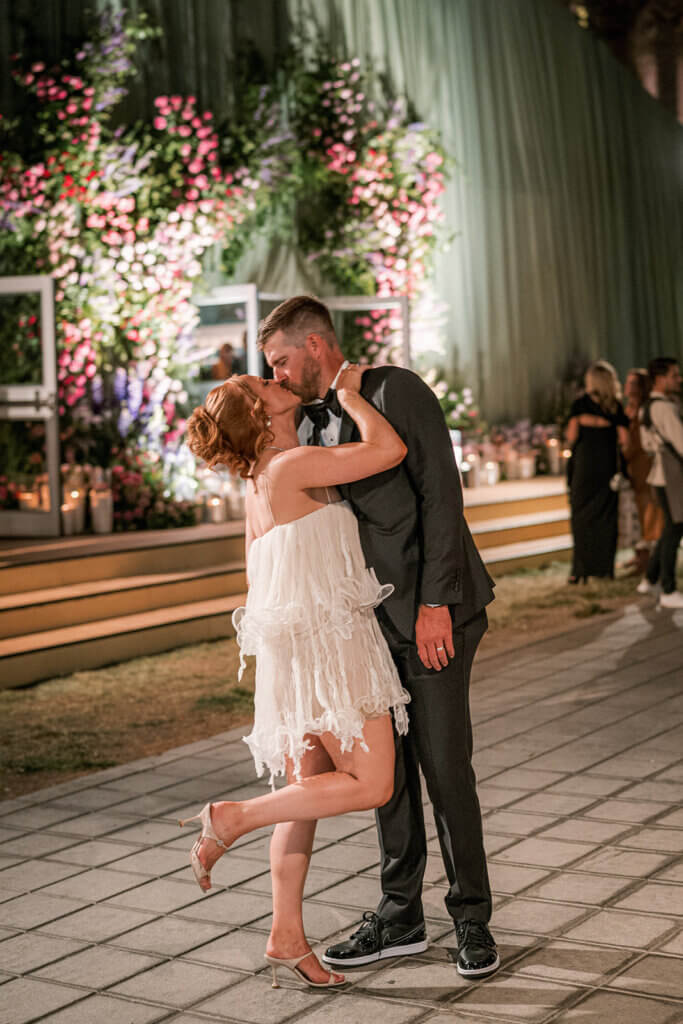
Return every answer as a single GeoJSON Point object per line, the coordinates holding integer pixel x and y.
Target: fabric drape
{"type": "Point", "coordinates": [568, 201]}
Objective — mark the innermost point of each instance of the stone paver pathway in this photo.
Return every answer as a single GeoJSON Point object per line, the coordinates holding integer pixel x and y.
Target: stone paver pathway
{"type": "Point", "coordinates": [580, 760]}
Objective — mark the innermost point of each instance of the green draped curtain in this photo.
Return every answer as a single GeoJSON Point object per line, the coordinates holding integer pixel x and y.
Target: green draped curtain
{"type": "Point", "coordinates": [568, 198]}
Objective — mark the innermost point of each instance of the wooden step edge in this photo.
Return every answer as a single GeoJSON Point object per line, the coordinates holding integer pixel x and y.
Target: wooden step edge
{"type": "Point", "coordinates": [528, 548]}
{"type": "Point", "coordinates": [119, 625]}
{"type": "Point", "coordinates": [15, 555]}
{"type": "Point", "coordinates": [53, 662]}
{"type": "Point", "coordinates": [515, 522]}
{"type": "Point", "coordinates": [96, 588]}
{"type": "Point", "coordinates": [515, 490]}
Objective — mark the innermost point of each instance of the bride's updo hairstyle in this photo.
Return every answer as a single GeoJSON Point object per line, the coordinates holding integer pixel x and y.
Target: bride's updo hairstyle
{"type": "Point", "coordinates": [231, 428]}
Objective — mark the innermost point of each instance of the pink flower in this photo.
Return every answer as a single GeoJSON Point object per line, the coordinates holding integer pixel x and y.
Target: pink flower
{"type": "Point", "coordinates": [176, 102]}
{"type": "Point", "coordinates": [161, 101]}
{"type": "Point", "coordinates": [159, 123]}
{"type": "Point", "coordinates": [196, 166]}
{"type": "Point", "coordinates": [185, 131]}
{"type": "Point", "coordinates": [37, 68]}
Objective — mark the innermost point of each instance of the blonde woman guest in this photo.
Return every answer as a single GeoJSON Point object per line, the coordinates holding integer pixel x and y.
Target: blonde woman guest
{"type": "Point", "coordinates": [326, 684]}
{"type": "Point", "coordinates": [639, 464]}
{"type": "Point", "coordinates": [597, 431]}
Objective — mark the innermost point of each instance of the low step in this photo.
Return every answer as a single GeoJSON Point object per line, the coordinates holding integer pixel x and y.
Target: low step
{"type": "Point", "coordinates": [512, 529]}
{"type": "Point", "coordinates": [34, 611]}
{"type": "Point", "coordinates": [28, 659]}
{"type": "Point", "coordinates": [82, 559]}
{"type": "Point", "coordinates": [527, 554]}
{"type": "Point", "coordinates": [513, 498]}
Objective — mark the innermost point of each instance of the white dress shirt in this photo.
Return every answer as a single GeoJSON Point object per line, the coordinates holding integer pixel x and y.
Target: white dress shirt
{"type": "Point", "coordinates": [329, 435]}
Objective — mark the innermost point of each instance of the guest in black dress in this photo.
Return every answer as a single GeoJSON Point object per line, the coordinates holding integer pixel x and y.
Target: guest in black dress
{"type": "Point", "coordinates": [597, 433]}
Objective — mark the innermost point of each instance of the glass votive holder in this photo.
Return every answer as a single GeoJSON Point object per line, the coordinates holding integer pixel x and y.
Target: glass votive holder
{"type": "Point", "coordinates": [214, 509]}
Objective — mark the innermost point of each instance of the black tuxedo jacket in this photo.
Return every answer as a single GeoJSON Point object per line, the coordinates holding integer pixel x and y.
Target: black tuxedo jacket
{"type": "Point", "coordinates": [411, 520]}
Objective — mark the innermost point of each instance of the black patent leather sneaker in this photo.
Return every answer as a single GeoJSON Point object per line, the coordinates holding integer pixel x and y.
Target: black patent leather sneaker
{"type": "Point", "coordinates": [376, 940]}
{"type": "Point", "coordinates": [477, 953]}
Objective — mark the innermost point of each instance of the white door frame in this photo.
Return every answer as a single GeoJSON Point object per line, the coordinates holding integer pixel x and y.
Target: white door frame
{"type": "Point", "coordinates": [36, 402]}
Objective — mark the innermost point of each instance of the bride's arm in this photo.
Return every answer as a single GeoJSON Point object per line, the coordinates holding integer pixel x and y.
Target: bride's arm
{"type": "Point", "coordinates": [379, 449]}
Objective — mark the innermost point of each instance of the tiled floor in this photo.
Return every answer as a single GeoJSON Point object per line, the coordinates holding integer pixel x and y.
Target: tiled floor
{"type": "Point", "coordinates": [580, 761]}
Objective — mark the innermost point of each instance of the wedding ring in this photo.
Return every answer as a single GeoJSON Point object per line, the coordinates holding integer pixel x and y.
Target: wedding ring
{"type": "Point", "coordinates": [441, 648]}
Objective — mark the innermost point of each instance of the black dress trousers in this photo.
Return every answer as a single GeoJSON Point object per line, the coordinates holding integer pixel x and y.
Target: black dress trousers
{"type": "Point", "coordinates": [439, 740]}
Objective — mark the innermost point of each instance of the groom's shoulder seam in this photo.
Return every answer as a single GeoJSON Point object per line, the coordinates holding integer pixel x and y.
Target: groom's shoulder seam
{"type": "Point", "coordinates": [396, 372]}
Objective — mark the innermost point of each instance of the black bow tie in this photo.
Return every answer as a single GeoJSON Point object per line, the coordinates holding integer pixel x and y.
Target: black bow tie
{"type": "Point", "coordinates": [319, 413]}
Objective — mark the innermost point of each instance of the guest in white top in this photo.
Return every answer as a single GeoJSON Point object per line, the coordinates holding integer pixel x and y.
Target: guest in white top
{"type": "Point", "coordinates": [661, 424]}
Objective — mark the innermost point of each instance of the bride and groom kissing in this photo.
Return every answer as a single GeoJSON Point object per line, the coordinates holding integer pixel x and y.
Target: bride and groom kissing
{"type": "Point", "coordinates": [367, 601]}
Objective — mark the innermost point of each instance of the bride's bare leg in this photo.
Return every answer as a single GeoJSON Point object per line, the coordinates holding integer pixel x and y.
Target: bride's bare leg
{"type": "Point", "coordinates": [362, 779]}
{"type": "Point", "coordinates": [290, 855]}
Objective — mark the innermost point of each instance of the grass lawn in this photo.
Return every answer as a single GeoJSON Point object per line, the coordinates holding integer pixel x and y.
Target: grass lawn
{"type": "Point", "coordinates": [79, 723]}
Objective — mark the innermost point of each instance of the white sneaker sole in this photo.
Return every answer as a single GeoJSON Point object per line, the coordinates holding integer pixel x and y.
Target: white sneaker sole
{"type": "Point", "coordinates": [479, 970]}
{"type": "Point", "coordinates": [384, 954]}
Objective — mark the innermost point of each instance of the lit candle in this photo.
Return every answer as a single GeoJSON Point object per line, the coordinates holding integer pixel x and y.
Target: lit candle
{"type": "Point", "coordinates": [474, 470]}
{"type": "Point", "coordinates": [215, 510]}
{"type": "Point", "coordinates": [102, 510]}
{"type": "Point", "coordinates": [77, 499]}
{"type": "Point", "coordinates": [491, 473]}
{"type": "Point", "coordinates": [553, 450]}
{"type": "Point", "coordinates": [28, 499]}
{"type": "Point", "coordinates": [511, 463]}
{"type": "Point", "coordinates": [69, 519]}
{"type": "Point", "coordinates": [527, 466]}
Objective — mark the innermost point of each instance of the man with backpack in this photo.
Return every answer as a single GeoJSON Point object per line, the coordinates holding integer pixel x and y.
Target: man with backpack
{"type": "Point", "coordinates": [662, 435]}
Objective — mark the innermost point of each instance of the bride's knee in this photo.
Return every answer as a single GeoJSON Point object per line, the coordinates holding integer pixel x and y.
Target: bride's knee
{"type": "Point", "coordinates": [378, 792]}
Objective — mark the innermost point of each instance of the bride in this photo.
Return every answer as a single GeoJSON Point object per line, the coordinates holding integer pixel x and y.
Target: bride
{"type": "Point", "coordinates": [325, 682]}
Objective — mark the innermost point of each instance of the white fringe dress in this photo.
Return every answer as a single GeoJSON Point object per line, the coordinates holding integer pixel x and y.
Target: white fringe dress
{"type": "Point", "coordinates": [322, 663]}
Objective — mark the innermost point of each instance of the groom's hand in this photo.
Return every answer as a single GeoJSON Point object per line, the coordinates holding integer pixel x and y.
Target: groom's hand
{"type": "Point", "coordinates": [434, 636]}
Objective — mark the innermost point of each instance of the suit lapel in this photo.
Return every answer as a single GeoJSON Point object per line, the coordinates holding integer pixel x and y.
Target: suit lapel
{"type": "Point", "coordinates": [347, 425]}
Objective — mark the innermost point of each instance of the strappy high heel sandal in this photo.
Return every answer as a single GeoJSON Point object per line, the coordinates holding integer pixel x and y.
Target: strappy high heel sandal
{"type": "Point", "coordinates": [293, 966]}
{"type": "Point", "coordinates": [204, 817]}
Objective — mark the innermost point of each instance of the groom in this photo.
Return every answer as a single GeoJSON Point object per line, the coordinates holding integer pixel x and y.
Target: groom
{"type": "Point", "coordinates": [413, 535]}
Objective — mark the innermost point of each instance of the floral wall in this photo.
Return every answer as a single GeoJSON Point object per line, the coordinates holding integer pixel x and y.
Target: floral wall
{"type": "Point", "coordinates": [121, 218]}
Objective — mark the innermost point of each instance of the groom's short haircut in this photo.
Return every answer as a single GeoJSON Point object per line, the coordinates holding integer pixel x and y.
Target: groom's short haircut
{"type": "Point", "coordinates": [298, 317]}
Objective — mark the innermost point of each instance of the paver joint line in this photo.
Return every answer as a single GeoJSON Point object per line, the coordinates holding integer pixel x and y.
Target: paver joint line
{"type": "Point", "coordinates": [542, 798]}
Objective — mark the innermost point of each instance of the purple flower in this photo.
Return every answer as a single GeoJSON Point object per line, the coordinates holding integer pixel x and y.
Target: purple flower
{"type": "Point", "coordinates": [120, 384]}
{"type": "Point", "coordinates": [97, 391]}
{"type": "Point", "coordinates": [124, 421]}
{"type": "Point", "coordinates": [134, 394]}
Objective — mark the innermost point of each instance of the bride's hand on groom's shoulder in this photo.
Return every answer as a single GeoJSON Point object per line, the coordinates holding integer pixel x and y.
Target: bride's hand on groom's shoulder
{"type": "Point", "coordinates": [350, 379]}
